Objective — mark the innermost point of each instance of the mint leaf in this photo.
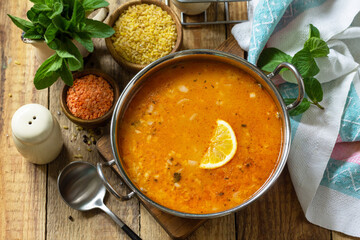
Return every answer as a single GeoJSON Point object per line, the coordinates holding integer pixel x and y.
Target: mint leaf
{"type": "Point", "coordinates": [41, 7]}
{"type": "Point", "coordinates": [78, 14]}
{"type": "Point", "coordinates": [68, 50]}
{"type": "Point", "coordinates": [54, 45]}
{"type": "Point", "coordinates": [50, 33]}
{"type": "Point", "coordinates": [305, 63]}
{"type": "Point", "coordinates": [301, 108]}
{"type": "Point", "coordinates": [50, 3]}
{"type": "Point", "coordinates": [317, 47]}
{"type": "Point", "coordinates": [63, 52]}
{"type": "Point", "coordinates": [32, 34]}
{"type": "Point", "coordinates": [97, 29]}
{"type": "Point", "coordinates": [49, 79]}
{"type": "Point", "coordinates": [74, 64]}
{"type": "Point", "coordinates": [65, 74]}
{"type": "Point", "coordinates": [56, 65]}
{"type": "Point", "coordinates": [43, 77]}
{"type": "Point", "coordinates": [32, 15]}
{"type": "Point", "coordinates": [40, 29]}
{"type": "Point", "coordinates": [94, 4]}
{"type": "Point", "coordinates": [58, 7]}
{"type": "Point", "coordinates": [85, 40]}
{"type": "Point", "coordinates": [313, 89]}
{"type": "Point", "coordinates": [44, 20]}
{"type": "Point", "coordinates": [270, 58]}
{"type": "Point", "coordinates": [61, 23]}
{"type": "Point", "coordinates": [38, 1]}
{"type": "Point", "coordinates": [21, 23]}
{"type": "Point", "coordinates": [314, 32]}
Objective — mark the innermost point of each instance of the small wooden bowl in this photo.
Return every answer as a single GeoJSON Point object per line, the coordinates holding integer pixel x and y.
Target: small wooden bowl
{"type": "Point", "coordinates": [115, 16]}
{"type": "Point", "coordinates": [92, 122]}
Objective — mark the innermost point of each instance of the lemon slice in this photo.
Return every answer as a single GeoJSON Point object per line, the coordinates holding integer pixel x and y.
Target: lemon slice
{"type": "Point", "coordinates": [222, 147]}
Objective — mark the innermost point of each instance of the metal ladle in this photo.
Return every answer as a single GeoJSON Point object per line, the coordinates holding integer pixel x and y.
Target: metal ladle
{"type": "Point", "coordinates": [82, 189]}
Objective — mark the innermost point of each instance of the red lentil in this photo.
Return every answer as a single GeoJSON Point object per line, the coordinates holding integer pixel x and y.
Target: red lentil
{"type": "Point", "coordinates": [90, 97]}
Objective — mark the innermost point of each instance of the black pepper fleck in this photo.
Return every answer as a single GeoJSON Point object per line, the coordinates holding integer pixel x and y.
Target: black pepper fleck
{"type": "Point", "coordinates": [177, 177]}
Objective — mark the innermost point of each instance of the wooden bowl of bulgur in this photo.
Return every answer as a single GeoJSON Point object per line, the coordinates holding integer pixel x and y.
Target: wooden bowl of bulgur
{"type": "Point", "coordinates": [145, 30]}
{"type": "Point", "coordinates": [90, 101]}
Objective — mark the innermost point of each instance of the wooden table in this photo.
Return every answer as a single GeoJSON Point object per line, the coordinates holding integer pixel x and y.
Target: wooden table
{"type": "Point", "coordinates": [30, 205]}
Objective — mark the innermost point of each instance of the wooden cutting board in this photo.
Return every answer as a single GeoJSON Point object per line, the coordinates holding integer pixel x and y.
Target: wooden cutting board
{"type": "Point", "coordinates": [176, 227]}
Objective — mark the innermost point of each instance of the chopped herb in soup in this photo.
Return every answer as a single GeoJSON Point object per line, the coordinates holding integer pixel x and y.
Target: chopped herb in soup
{"type": "Point", "coordinates": [167, 128]}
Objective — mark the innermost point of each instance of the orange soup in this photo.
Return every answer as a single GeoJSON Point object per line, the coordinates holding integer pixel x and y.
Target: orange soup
{"type": "Point", "coordinates": [168, 125]}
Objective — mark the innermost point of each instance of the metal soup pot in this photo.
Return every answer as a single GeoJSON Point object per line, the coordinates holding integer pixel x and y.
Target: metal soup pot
{"type": "Point", "coordinates": [135, 84]}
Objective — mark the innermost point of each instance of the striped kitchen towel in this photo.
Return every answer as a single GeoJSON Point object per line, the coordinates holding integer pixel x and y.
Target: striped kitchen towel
{"type": "Point", "coordinates": [324, 161]}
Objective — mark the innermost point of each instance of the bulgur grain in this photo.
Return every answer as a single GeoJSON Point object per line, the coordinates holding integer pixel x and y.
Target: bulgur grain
{"type": "Point", "coordinates": [90, 97]}
{"type": "Point", "coordinates": [144, 33]}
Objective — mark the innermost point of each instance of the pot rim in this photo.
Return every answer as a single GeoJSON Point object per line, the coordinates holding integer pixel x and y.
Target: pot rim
{"type": "Point", "coordinates": [286, 141]}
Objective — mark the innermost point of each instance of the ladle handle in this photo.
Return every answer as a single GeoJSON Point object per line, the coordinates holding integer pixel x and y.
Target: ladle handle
{"type": "Point", "coordinates": [107, 184]}
{"type": "Point", "coordinates": [119, 222]}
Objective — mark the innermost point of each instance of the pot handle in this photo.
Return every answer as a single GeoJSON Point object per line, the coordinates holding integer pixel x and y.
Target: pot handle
{"type": "Point", "coordinates": [299, 80]}
{"type": "Point", "coordinates": [107, 184]}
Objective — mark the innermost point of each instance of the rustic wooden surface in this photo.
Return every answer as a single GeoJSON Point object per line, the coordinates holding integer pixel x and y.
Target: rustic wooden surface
{"type": "Point", "coordinates": [30, 206]}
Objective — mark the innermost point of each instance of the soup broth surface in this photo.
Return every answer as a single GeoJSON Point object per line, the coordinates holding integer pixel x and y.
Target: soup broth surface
{"type": "Point", "coordinates": [168, 125]}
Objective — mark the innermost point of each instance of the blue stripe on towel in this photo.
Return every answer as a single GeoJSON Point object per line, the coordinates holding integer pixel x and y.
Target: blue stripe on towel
{"type": "Point", "coordinates": [343, 177]}
{"type": "Point", "coordinates": [350, 121]}
{"type": "Point", "coordinates": [296, 8]}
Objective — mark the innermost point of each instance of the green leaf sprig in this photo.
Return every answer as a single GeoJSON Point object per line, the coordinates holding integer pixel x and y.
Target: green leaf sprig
{"type": "Point", "coordinates": [58, 22]}
{"type": "Point", "coordinates": [304, 61]}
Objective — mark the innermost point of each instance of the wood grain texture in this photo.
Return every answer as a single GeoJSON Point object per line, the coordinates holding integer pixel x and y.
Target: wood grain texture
{"type": "Point", "coordinates": [30, 205]}
{"type": "Point", "coordinates": [22, 184]}
{"type": "Point", "coordinates": [277, 215]}
{"type": "Point", "coordinates": [237, 11]}
{"type": "Point", "coordinates": [341, 236]}
{"type": "Point", "coordinates": [205, 36]}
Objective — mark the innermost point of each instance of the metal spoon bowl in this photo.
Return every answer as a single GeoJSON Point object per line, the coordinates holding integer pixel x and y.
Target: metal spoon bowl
{"type": "Point", "coordinates": [82, 189]}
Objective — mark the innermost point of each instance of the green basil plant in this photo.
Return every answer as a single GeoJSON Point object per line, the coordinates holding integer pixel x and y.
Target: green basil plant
{"type": "Point", "coordinates": [58, 22]}
{"type": "Point", "coordinates": [304, 61]}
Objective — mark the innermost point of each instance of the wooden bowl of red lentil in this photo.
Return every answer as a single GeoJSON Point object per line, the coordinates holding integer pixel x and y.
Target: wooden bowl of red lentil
{"type": "Point", "coordinates": [145, 30]}
{"type": "Point", "coordinates": [91, 100]}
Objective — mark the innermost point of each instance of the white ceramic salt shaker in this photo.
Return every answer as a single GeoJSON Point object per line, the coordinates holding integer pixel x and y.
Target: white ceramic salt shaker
{"type": "Point", "coordinates": [36, 133]}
